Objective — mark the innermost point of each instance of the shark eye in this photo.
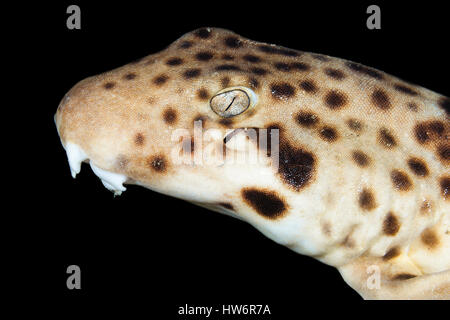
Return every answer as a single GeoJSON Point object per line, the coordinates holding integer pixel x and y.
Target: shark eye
{"type": "Point", "coordinates": [230, 102]}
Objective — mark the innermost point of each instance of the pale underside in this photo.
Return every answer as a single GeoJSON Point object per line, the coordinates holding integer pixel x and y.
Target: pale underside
{"type": "Point", "coordinates": [363, 176]}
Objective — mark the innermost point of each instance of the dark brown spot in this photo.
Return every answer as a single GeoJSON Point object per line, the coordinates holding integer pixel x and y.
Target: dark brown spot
{"type": "Point", "coordinates": [403, 276]}
{"type": "Point", "coordinates": [174, 61]}
{"type": "Point", "coordinates": [282, 66]}
{"type": "Point", "coordinates": [413, 107]}
{"type": "Point", "coordinates": [391, 225]}
{"type": "Point", "coordinates": [360, 158]}
{"type": "Point", "coordinates": [191, 73]}
{"type": "Point", "coordinates": [251, 58]}
{"type": "Point", "coordinates": [436, 127]}
{"type": "Point", "coordinates": [266, 203]}
{"type": "Point", "coordinates": [421, 133]}
{"type": "Point", "coordinates": [308, 86]}
{"type": "Point", "coordinates": [186, 44]}
{"type": "Point", "coordinates": [160, 80]}
{"type": "Point", "coordinates": [204, 56]}
{"type": "Point", "coordinates": [401, 180]}
{"type": "Point", "coordinates": [429, 238]}
{"type": "Point", "coordinates": [335, 99]}
{"type": "Point", "coordinates": [386, 138]}
{"type": "Point", "coordinates": [253, 82]}
{"type": "Point", "coordinates": [202, 94]}
{"type": "Point", "coordinates": [225, 81]}
{"type": "Point", "coordinates": [335, 73]}
{"type": "Point", "coordinates": [354, 125]}
{"type": "Point", "coordinates": [443, 152]}
{"type": "Point", "coordinates": [391, 254]}
{"type": "Point", "coordinates": [282, 90]}
{"type": "Point", "coordinates": [226, 122]}
{"type": "Point", "coordinates": [227, 57]}
{"type": "Point", "coordinates": [226, 205]}
{"type": "Point", "coordinates": [109, 85]}
{"type": "Point", "coordinates": [169, 116]}
{"type": "Point", "coordinates": [259, 71]}
{"type": "Point", "coordinates": [300, 66]}
{"type": "Point", "coordinates": [381, 99]}
{"type": "Point", "coordinates": [296, 166]}
{"type": "Point", "coordinates": [278, 50]}
{"type": "Point", "coordinates": [444, 102]}
{"type": "Point", "coordinates": [226, 67]}
{"type": "Point", "coordinates": [157, 163]}
{"type": "Point", "coordinates": [418, 166]}
{"type": "Point", "coordinates": [405, 89]}
{"type": "Point", "coordinates": [139, 139]}
{"type": "Point", "coordinates": [364, 70]}
{"type": "Point", "coordinates": [367, 200]}
{"type": "Point", "coordinates": [328, 134]}
{"type": "Point", "coordinates": [232, 42]}
{"type": "Point", "coordinates": [320, 57]}
{"type": "Point", "coordinates": [130, 76]}
{"type": "Point", "coordinates": [203, 33]}
{"type": "Point", "coordinates": [445, 187]}
{"type": "Point", "coordinates": [307, 119]}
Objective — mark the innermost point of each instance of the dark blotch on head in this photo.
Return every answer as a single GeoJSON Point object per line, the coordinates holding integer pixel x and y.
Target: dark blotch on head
{"type": "Point", "coordinates": [403, 276]}
{"type": "Point", "coordinates": [109, 85]}
{"type": "Point", "coordinates": [445, 187]}
{"type": "Point", "coordinates": [300, 66]}
{"type": "Point", "coordinates": [226, 122]}
{"type": "Point", "coordinates": [360, 158]}
{"type": "Point", "coordinates": [157, 163]}
{"type": "Point", "coordinates": [139, 139]}
{"type": "Point", "coordinates": [381, 99]}
{"type": "Point", "coordinates": [354, 125]}
{"type": "Point", "coordinates": [251, 58]}
{"type": "Point", "coordinates": [202, 94]}
{"type": "Point", "coordinates": [391, 225]}
{"type": "Point", "coordinates": [130, 76]}
{"type": "Point", "coordinates": [174, 61]}
{"type": "Point", "coordinates": [421, 133]}
{"type": "Point", "coordinates": [401, 180]}
{"type": "Point", "coordinates": [405, 89]}
{"type": "Point", "coordinates": [225, 81]}
{"type": "Point", "coordinates": [365, 70]}
{"type": "Point", "coordinates": [386, 138]}
{"type": "Point", "coordinates": [282, 66]}
{"type": "Point", "coordinates": [391, 254]}
{"type": "Point", "coordinates": [429, 238]}
{"type": "Point", "coordinates": [226, 205]}
{"type": "Point", "coordinates": [413, 107]}
{"type": "Point", "coordinates": [335, 73]}
{"type": "Point", "coordinates": [259, 71]}
{"type": "Point", "coordinates": [203, 33]}
{"type": "Point", "coordinates": [266, 203]}
{"type": "Point", "coordinates": [328, 134]}
{"type": "Point", "coordinates": [169, 116]}
{"type": "Point", "coordinates": [307, 119]}
{"type": "Point", "coordinates": [320, 57]}
{"type": "Point", "coordinates": [204, 56]}
{"type": "Point", "coordinates": [308, 86]}
{"type": "Point", "coordinates": [226, 67]}
{"type": "Point", "coordinates": [335, 99]}
{"type": "Point", "coordinates": [436, 127]}
{"type": "Point", "coordinates": [282, 90]}
{"type": "Point", "coordinates": [160, 80]}
{"type": "Point", "coordinates": [367, 200]}
{"type": "Point", "coordinates": [191, 73]}
{"type": "Point", "coordinates": [186, 44]}
{"type": "Point", "coordinates": [232, 42]}
{"type": "Point", "coordinates": [418, 166]}
{"type": "Point", "coordinates": [254, 83]}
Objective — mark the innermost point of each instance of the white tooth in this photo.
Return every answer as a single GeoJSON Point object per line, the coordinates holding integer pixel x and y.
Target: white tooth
{"type": "Point", "coordinates": [75, 155]}
{"type": "Point", "coordinates": [112, 181]}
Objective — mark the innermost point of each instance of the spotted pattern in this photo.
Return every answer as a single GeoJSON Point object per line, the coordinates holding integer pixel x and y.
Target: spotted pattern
{"type": "Point", "coordinates": [418, 166]}
{"type": "Point", "coordinates": [335, 99]}
{"type": "Point", "coordinates": [386, 138]}
{"type": "Point", "coordinates": [329, 134]}
{"type": "Point", "coordinates": [281, 91]}
{"type": "Point", "coordinates": [158, 163]}
{"type": "Point", "coordinates": [367, 200]}
{"type": "Point", "coordinates": [429, 238]}
{"type": "Point", "coordinates": [170, 116]}
{"type": "Point", "coordinates": [308, 86]}
{"type": "Point", "coordinates": [391, 225]}
{"type": "Point", "coordinates": [307, 119]}
{"type": "Point", "coordinates": [381, 99]}
{"type": "Point", "coordinates": [360, 158]}
{"type": "Point", "coordinates": [401, 180]}
{"type": "Point", "coordinates": [139, 139]}
{"type": "Point", "coordinates": [265, 202]}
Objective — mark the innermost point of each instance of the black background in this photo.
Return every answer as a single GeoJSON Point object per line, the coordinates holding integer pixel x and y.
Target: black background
{"type": "Point", "coordinates": [145, 251]}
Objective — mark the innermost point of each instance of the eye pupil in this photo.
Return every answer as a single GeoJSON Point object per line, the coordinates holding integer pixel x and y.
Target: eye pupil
{"type": "Point", "coordinates": [230, 103]}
